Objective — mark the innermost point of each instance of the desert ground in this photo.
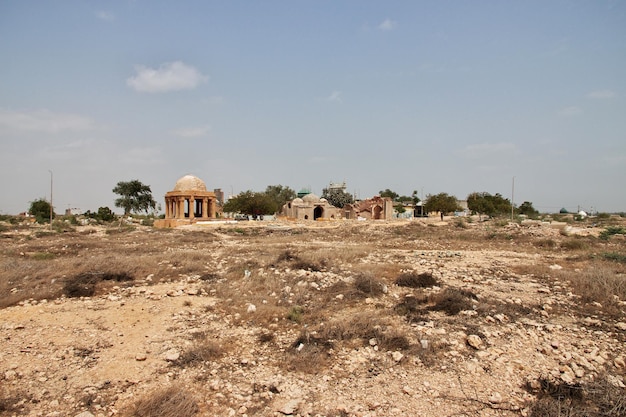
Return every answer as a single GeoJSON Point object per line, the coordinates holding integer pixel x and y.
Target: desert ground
{"type": "Point", "coordinates": [344, 318]}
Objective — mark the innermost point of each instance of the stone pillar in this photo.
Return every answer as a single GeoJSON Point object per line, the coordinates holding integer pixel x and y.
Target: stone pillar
{"type": "Point", "coordinates": [192, 207]}
{"type": "Point", "coordinates": [212, 209]}
{"type": "Point", "coordinates": [205, 208]}
{"type": "Point", "coordinates": [181, 208]}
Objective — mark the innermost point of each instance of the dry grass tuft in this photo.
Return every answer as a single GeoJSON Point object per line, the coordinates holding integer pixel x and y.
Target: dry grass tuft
{"type": "Point", "coordinates": [84, 284]}
{"type": "Point", "coordinates": [166, 402]}
{"type": "Point", "coordinates": [369, 285]}
{"type": "Point", "coordinates": [599, 285]}
{"type": "Point", "coordinates": [593, 399]}
{"type": "Point", "coordinates": [452, 301]}
{"type": "Point", "coordinates": [414, 280]}
{"type": "Point", "coordinates": [202, 351]}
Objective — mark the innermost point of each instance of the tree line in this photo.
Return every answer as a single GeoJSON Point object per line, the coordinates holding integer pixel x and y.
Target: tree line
{"type": "Point", "coordinates": [136, 197]}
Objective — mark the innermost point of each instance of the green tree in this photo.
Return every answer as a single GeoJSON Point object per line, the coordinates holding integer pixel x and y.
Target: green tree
{"type": "Point", "coordinates": [388, 193]}
{"type": "Point", "coordinates": [252, 203]}
{"type": "Point", "coordinates": [527, 209]}
{"type": "Point", "coordinates": [337, 197]}
{"type": "Point", "coordinates": [280, 195]}
{"type": "Point", "coordinates": [134, 196]}
{"type": "Point", "coordinates": [441, 202]}
{"type": "Point", "coordinates": [491, 205]}
{"type": "Point", "coordinates": [40, 208]}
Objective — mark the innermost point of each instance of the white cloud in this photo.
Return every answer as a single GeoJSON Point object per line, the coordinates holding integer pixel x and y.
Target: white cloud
{"type": "Point", "coordinates": [489, 150]}
{"type": "Point", "coordinates": [171, 76]}
{"type": "Point", "coordinates": [570, 111]}
{"type": "Point", "coordinates": [602, 94]}
{"type": "Point", "coordinates": [43, 121]}
{"type": "Point", "coordinates": [388, 24]}
{"type": "Point", "coordinates": [104, 15]}
{"type": "Point", "coordinates": [191, 132]}
{"type": "Point", "coordinates": [335, 96]}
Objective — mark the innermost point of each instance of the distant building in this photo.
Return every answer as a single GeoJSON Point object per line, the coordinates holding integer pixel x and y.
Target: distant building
{"type": "Point", "coordinates": [310, 207]}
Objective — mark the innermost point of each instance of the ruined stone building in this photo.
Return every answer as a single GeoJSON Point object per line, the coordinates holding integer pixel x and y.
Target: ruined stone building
{"type": "Point", "coordinates": [189, 202]}
{"type": "Point", "coordinates": [375, 208]}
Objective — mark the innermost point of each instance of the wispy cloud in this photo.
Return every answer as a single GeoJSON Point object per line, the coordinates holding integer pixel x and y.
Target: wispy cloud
{"type": "Point", "coordinates": [335, 96]}
{"type": "Point", "coordinates": [170, 76]}
{"type": "Point", "coordinates": [191, 132]}
{"type": "Point", "coordinates": [104, 15]}
{"type": "Point", "coordinates": [489, 150]}
{"type": "Point", "coordinates": [602, 94]}
{"type": "Point", "coordinates": [388, 24]}
{"type": "Point", "coordinates": [43, 121]}
{"type": "Point", "coordinates": [570, 111]}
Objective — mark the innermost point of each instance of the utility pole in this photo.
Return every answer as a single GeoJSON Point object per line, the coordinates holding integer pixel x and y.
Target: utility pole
{"type": "Point", "coordinates": [51, 188]}
{"type": "Point", "coordinates": [512, 198]}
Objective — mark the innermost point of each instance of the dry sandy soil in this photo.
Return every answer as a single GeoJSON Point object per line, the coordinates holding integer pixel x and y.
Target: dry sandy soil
{"type": "Point", "coordinates": [401, 318]}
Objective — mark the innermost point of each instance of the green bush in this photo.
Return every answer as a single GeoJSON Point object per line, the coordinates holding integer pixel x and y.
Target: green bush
{"type": "Point", "coordinates": [610, 231]}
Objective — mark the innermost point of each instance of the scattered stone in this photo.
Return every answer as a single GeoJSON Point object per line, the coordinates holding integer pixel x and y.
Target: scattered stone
{"type": "Point", "coordinates": [495, 398]}
{"type": "Point", "coordinates": [141, 357]}
{"type": "Point", "coordinates": [172, 355]}
{"type": "Point", "coordinates": [288, 407]}
{"type": "Point", "coordinates": [621, 325]}
{"type": "Point", "coordinates": [397, 356]}
{"type": "Point", "coordinates": [251, 308]}
{"type": "Point", "coordinates": [475, 341]}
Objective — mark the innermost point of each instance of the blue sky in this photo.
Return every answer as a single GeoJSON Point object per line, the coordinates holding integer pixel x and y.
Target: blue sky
{"type": "Point", "coordinates": [433, 96]}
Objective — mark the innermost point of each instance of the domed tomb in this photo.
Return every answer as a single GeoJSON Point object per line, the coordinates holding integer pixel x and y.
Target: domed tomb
{"type": "Point", "coordinates": [190, 201]}
{"type": "Point", "coordinates": [190, 183]}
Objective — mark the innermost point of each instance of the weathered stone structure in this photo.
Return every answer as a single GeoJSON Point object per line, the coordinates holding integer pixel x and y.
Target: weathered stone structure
{"type": "Point", "coordinates": [188, 203]}
{"type": "Point", "coordinates": [311, 207]}
{"type": "Point", "coordinates": [375, 208]}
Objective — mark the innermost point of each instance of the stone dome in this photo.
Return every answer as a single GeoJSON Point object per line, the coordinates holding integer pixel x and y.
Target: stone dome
{"type": "Point", "coordinates": [190, 183]}
{"type": "Point", "coordinates": [310, 198]}
{"type": "Point", "coordinates": [297, 201]}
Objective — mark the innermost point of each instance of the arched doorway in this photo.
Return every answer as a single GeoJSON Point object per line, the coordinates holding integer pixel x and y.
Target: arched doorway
{"type": "Point", "coordinates": [377, 212]}
{"type": "Point", "coordinates": [318, 212]}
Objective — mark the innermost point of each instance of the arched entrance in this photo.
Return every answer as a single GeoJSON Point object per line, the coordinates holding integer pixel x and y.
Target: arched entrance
{"type": "Point", "coordinates": [376, 211]}
{"type": "Point", "coordinates": [318, 212]}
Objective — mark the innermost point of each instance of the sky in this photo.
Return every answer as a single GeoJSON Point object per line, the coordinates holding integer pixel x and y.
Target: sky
{"type": "Point", "coordinates": [522, 98]}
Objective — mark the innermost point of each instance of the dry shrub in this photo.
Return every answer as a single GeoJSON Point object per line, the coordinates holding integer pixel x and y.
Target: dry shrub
{"type": "Point", "coordinates": [546, 243]}
{"type": "Point", "coordinates": [574, 244]}
{"type": "Point", "coordinates": [599, 285]}
{"type": "Point", "coordinates": [414, 280]}
{"type": "Point", "coordinates": [308, 353]}
{"type": "Point", "coordinates": [593, 399]}
{"type": "Point", "coordinates": [452, 301]}
{"type": "Point", "coordinates": [167, 402]}
{"type": "Point", "coordinates": [369, 285]}
{"type": "Point", "coordinates": [412, 308]}
{"type": "Point", "coordinates": [366, 326]}
{"type": "Point", "coordinates": [300, 262]}
{"type": "Point", "coordinates": [84, 284]}
{"type": "Point", "coordinates": [202, 351]}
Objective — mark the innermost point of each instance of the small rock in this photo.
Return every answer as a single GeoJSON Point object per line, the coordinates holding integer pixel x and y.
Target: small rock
{"type": "Point", "coordinates": [397, 356]}
{"type": "Point", "coordinates": [288, 407]}
{"type": "Point", "coordinates": [474, 341]}
{"type": "Point", "coordinates": [251, 308]}
{"type": "Point", "coordinates": [172, 355]}
{"type": "Point", "coordinates": [141, 357]}
{"type": "Point", "coordinates": [495, 398]}
{"type": "Point", "coordinates": [619, 362]}
{"type": "Point", "coordinates": [85, 414]}
{"type": "Point", "coordinates": [373, 341]}
{"type": "Point", "coordinates": [621, 325]}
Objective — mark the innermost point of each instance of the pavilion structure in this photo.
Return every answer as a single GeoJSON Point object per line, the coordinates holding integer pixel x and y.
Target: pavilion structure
{"type": "Point", "coordinates": [188, 203]}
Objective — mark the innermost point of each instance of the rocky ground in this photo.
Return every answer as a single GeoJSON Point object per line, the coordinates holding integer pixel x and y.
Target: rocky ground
{"type": "Point", "coordinates": [311, 319]}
